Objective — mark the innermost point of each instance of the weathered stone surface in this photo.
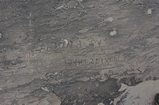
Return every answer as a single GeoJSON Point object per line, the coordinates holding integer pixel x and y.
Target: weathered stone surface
{"type": "Point", "coordinates": [76, 52]}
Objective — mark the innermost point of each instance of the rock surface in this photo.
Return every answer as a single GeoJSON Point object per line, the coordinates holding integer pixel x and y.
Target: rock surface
{"type": "Point", "coordinates": [77, 52]}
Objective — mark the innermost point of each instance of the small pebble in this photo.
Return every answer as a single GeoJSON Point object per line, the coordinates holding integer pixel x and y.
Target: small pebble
{"type": "Point", "coordinates": [56, 73]}
{"type": "Point", "coordinates": [101, 103]}
{"type": "Point", "coordinates": [149, 11]}
{"type": "Point", "coordinates": [44, 102]}
{"type": "Point", "coordinates": [66, 41]}
{"type": "Point", "coordinates": [83, 30]}
{"type": "Point", "coordinates": [109, 19]}
{"type": "Point", "coordinates": [71, 4]}
{"type": "Point", "coordinates": [13, 62]}
{"type": "Point", "coordinates": [112, 33]}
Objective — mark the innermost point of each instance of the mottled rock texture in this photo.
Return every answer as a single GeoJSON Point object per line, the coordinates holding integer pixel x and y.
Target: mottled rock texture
{"type": "Point", "coordinates": [76, 52]}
